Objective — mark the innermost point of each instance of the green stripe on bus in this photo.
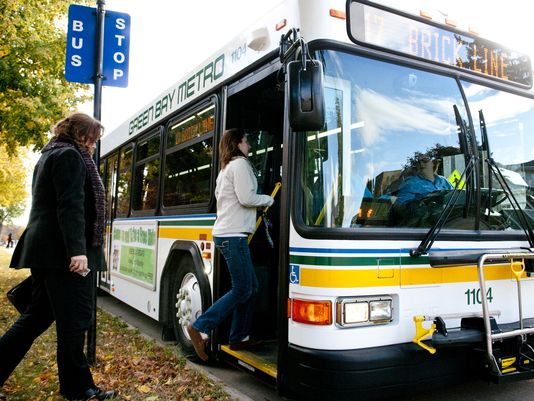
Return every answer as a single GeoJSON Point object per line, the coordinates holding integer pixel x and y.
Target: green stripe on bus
{"type": "Point", "coordinates": [355, 261]}
{"type": "Point", "coordinates": [183, 223]}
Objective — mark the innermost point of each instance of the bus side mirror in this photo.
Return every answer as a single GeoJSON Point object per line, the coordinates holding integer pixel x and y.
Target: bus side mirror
{"type": "Point", "coordinates": [306, 95]}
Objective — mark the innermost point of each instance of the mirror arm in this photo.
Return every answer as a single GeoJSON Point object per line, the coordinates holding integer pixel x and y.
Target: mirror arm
{"type": "Point", "coordinates": [289, 43]}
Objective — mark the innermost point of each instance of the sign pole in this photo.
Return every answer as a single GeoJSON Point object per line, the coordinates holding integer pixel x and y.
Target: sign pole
{"type": "Point", "coordinates": [97, 107]}
{"type": "Point", "coordinates": [99, 65]}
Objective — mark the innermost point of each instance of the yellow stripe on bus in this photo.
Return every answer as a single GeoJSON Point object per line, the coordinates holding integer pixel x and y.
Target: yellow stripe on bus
{"type": "Point", "coordinates": [185, 233]}
{"type": "Point", "coordinates": [327, 278]}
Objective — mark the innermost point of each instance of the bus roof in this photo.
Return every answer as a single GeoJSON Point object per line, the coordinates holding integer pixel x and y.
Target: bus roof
{"type": "Point", "coordinates": [257, 41]}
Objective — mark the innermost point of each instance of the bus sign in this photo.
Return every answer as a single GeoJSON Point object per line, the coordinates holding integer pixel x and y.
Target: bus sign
{"type": "Point", "coordinates": [116, 48]}
{"type": "Point", "coordinates": [81, 46]}
{"type": "Point", "coordinates": [80, 62]}
{"type": "Point", "coordinates": [411, 35]}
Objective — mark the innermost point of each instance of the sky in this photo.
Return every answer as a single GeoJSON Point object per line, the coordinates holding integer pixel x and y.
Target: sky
{"type": "Point", "coordinates": [169, 38]}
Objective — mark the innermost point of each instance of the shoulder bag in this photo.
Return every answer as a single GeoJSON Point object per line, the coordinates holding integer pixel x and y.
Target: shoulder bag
{"type": "Point", "coordinates": [21, 295]}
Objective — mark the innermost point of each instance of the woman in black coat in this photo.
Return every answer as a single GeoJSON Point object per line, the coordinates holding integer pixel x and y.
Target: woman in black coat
{"type": "Point", "coordinates": [62, 246]}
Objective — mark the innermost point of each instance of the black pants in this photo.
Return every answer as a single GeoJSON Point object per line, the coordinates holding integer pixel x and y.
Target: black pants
{"type": "Point", "coordinates": [66, 298]}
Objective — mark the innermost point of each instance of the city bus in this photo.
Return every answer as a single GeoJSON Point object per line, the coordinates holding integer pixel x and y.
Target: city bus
{"type": "Point", "coordinates": [397, 255]}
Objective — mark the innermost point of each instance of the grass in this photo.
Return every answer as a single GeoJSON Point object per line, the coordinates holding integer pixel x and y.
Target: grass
{"type": "Point", "coordinates": [140, 369]}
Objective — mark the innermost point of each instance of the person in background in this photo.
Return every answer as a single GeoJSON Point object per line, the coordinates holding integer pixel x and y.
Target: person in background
{"type": "Point", "coordinates": [62, 247]}
{"type": "Point", "coordinates": [9, 240]}
{"type": "Point", "coordinates": [237, 202]}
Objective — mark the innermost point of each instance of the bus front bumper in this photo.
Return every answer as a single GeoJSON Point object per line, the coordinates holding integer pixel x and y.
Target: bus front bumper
{"type": "Point", "coordinates": [373, 373]}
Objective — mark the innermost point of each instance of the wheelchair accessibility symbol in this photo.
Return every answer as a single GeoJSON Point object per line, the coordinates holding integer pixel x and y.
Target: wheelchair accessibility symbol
{"type": "Point", "coordinates": [294, 274]}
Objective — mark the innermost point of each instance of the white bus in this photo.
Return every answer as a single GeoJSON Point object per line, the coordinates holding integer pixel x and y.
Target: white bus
{"type": "Point", "coordinates": [400, 242]}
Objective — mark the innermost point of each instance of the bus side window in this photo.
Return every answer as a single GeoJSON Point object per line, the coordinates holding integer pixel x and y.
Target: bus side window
{"type": "Point", "coordinates": [188, 159]}
{"type": "Point", "coordinates": [188, 174]}
{"type": "Point", "coordinates": [124, 181]}
{"type": "Point", "coordinates": [110, 183]}
{"type": "Point", "coordinates": [146, 179]}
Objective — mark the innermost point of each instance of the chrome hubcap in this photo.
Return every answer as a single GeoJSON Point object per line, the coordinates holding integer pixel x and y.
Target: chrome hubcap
{"type": "Point", "coordinates": [188, 302]}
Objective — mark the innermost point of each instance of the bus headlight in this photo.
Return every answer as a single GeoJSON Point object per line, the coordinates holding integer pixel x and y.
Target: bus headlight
{"type": "Point", "coordinates": [380, 311]}
{"type": "Point", "coordinates": [364, 311]}
{"type": "Point", "coordinates": [357, 312]}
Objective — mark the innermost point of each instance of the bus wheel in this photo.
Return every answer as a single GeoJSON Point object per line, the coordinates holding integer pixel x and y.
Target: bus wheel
{"type": "Point", "coordinates": [186, 306]}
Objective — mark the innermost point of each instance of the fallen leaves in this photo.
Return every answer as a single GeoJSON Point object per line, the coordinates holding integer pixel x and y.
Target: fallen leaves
{"type": "Point", "coordinates": [140, 369]}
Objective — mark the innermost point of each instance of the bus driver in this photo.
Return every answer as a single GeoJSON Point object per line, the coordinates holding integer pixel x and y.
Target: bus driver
{"type": "Point", "coordinates": [425, 180]}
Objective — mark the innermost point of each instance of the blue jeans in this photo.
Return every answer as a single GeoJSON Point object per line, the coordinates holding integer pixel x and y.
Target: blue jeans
{"type": "Point", "coordinates": [240, 300]}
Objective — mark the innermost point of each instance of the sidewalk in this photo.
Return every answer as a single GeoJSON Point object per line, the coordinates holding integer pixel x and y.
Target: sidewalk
{"type": "Point", "coordinates": [8, 250]}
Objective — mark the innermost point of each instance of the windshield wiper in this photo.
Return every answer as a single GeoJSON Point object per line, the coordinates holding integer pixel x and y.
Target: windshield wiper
{"type": "Point", "coordinates": [486, 147]}
{"type": "Point", "coordinates": [431, 235]}
{"type": "Point", "coordinates": [493, 168]}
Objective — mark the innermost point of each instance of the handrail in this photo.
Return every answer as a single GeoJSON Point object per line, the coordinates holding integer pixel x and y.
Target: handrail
{"type": "Point", "coordinates": [260, 217]}
{"type": "Point", "coordinates": [490, 337]}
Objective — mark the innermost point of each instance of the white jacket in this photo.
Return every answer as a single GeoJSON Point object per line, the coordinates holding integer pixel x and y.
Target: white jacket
{"type": "Point", "coordinates": [237, 199]}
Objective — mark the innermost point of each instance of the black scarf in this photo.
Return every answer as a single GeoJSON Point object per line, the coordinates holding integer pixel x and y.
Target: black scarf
{"type": "Point", "coordinates": [96, 184]}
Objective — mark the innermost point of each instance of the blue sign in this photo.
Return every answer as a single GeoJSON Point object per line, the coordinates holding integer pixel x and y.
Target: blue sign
{"type": "Point", "coordinates": [116, 48]}
{"type": "Point", "coordinates": [80, 63]}
{"type": "Point", "coordinates": [81, 46]}
{"type": "Point", "coordinates": [294, 274]}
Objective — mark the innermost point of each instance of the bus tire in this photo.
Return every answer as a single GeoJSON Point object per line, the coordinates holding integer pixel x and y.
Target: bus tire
{"type": "Point", "coordinates": [188, 299]}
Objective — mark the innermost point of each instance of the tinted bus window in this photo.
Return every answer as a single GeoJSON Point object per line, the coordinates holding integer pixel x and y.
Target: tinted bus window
{"type": "Point", "coordinates": [188, 173]}
{"type": "Point", "coordinates": [124, 181]}
{"type": "Point", "coordinates": [146, 184]}
{"type": "Point", "coordinates": [188, 163]}
{"type": "Point", "coordinates": [111, 185]}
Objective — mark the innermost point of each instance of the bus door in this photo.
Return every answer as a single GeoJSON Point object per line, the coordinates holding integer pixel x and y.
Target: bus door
{"type": "Point", "coordinates": [258, 109]}
{"type": "Point", "coordinates": [109, 177]}
{"type": "Point", "coordinates": [117, 181]}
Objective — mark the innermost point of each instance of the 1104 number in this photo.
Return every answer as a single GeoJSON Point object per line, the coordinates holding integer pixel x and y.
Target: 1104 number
{"type": "Point", "coordinates": [473, 296]}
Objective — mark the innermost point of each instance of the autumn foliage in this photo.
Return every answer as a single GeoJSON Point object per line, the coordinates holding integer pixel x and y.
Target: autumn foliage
{"type": "Point", "coordinates": [139, 368]}
{"type": "Point", "coordinates": [33, 91]}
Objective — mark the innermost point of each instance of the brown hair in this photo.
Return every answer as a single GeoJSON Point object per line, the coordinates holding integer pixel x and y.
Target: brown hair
{"type": "Point", "coordinates": [228, 146]}
{"type": "Point", "coordinates": [78, 128]}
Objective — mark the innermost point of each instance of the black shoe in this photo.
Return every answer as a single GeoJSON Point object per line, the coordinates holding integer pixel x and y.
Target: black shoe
{"type": "Point", "coordinates": [96, 394]}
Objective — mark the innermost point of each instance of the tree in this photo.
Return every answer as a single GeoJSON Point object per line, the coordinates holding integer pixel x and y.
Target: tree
{"type": "Point", "coordinates": [33, 91]}
{"type": "Point", "coordinates": [12, 185]}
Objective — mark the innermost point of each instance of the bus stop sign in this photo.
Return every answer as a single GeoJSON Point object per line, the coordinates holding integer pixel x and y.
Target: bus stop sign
{"type": "Point", "coordinates": [116, 49]}
{"type": "Point", "coordinates": [81, 46]}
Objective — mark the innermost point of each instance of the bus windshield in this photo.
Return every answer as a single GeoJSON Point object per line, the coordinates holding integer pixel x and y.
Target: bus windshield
{"type": "Point", "coordinates": [392, 153]}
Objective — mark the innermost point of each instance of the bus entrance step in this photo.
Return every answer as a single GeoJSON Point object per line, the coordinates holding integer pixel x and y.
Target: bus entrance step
{"type": "Point", "coordinates": [512, 377]}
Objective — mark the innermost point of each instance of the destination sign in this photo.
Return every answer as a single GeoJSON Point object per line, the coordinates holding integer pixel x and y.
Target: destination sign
{"type": "Point", "coordinates": [410, 35]}
{"type": "Point", "coordinates": [193, 127]}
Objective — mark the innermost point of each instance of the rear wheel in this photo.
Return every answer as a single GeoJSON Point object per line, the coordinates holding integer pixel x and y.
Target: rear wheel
{"type": "Point", "coordinates": [188, 300]}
